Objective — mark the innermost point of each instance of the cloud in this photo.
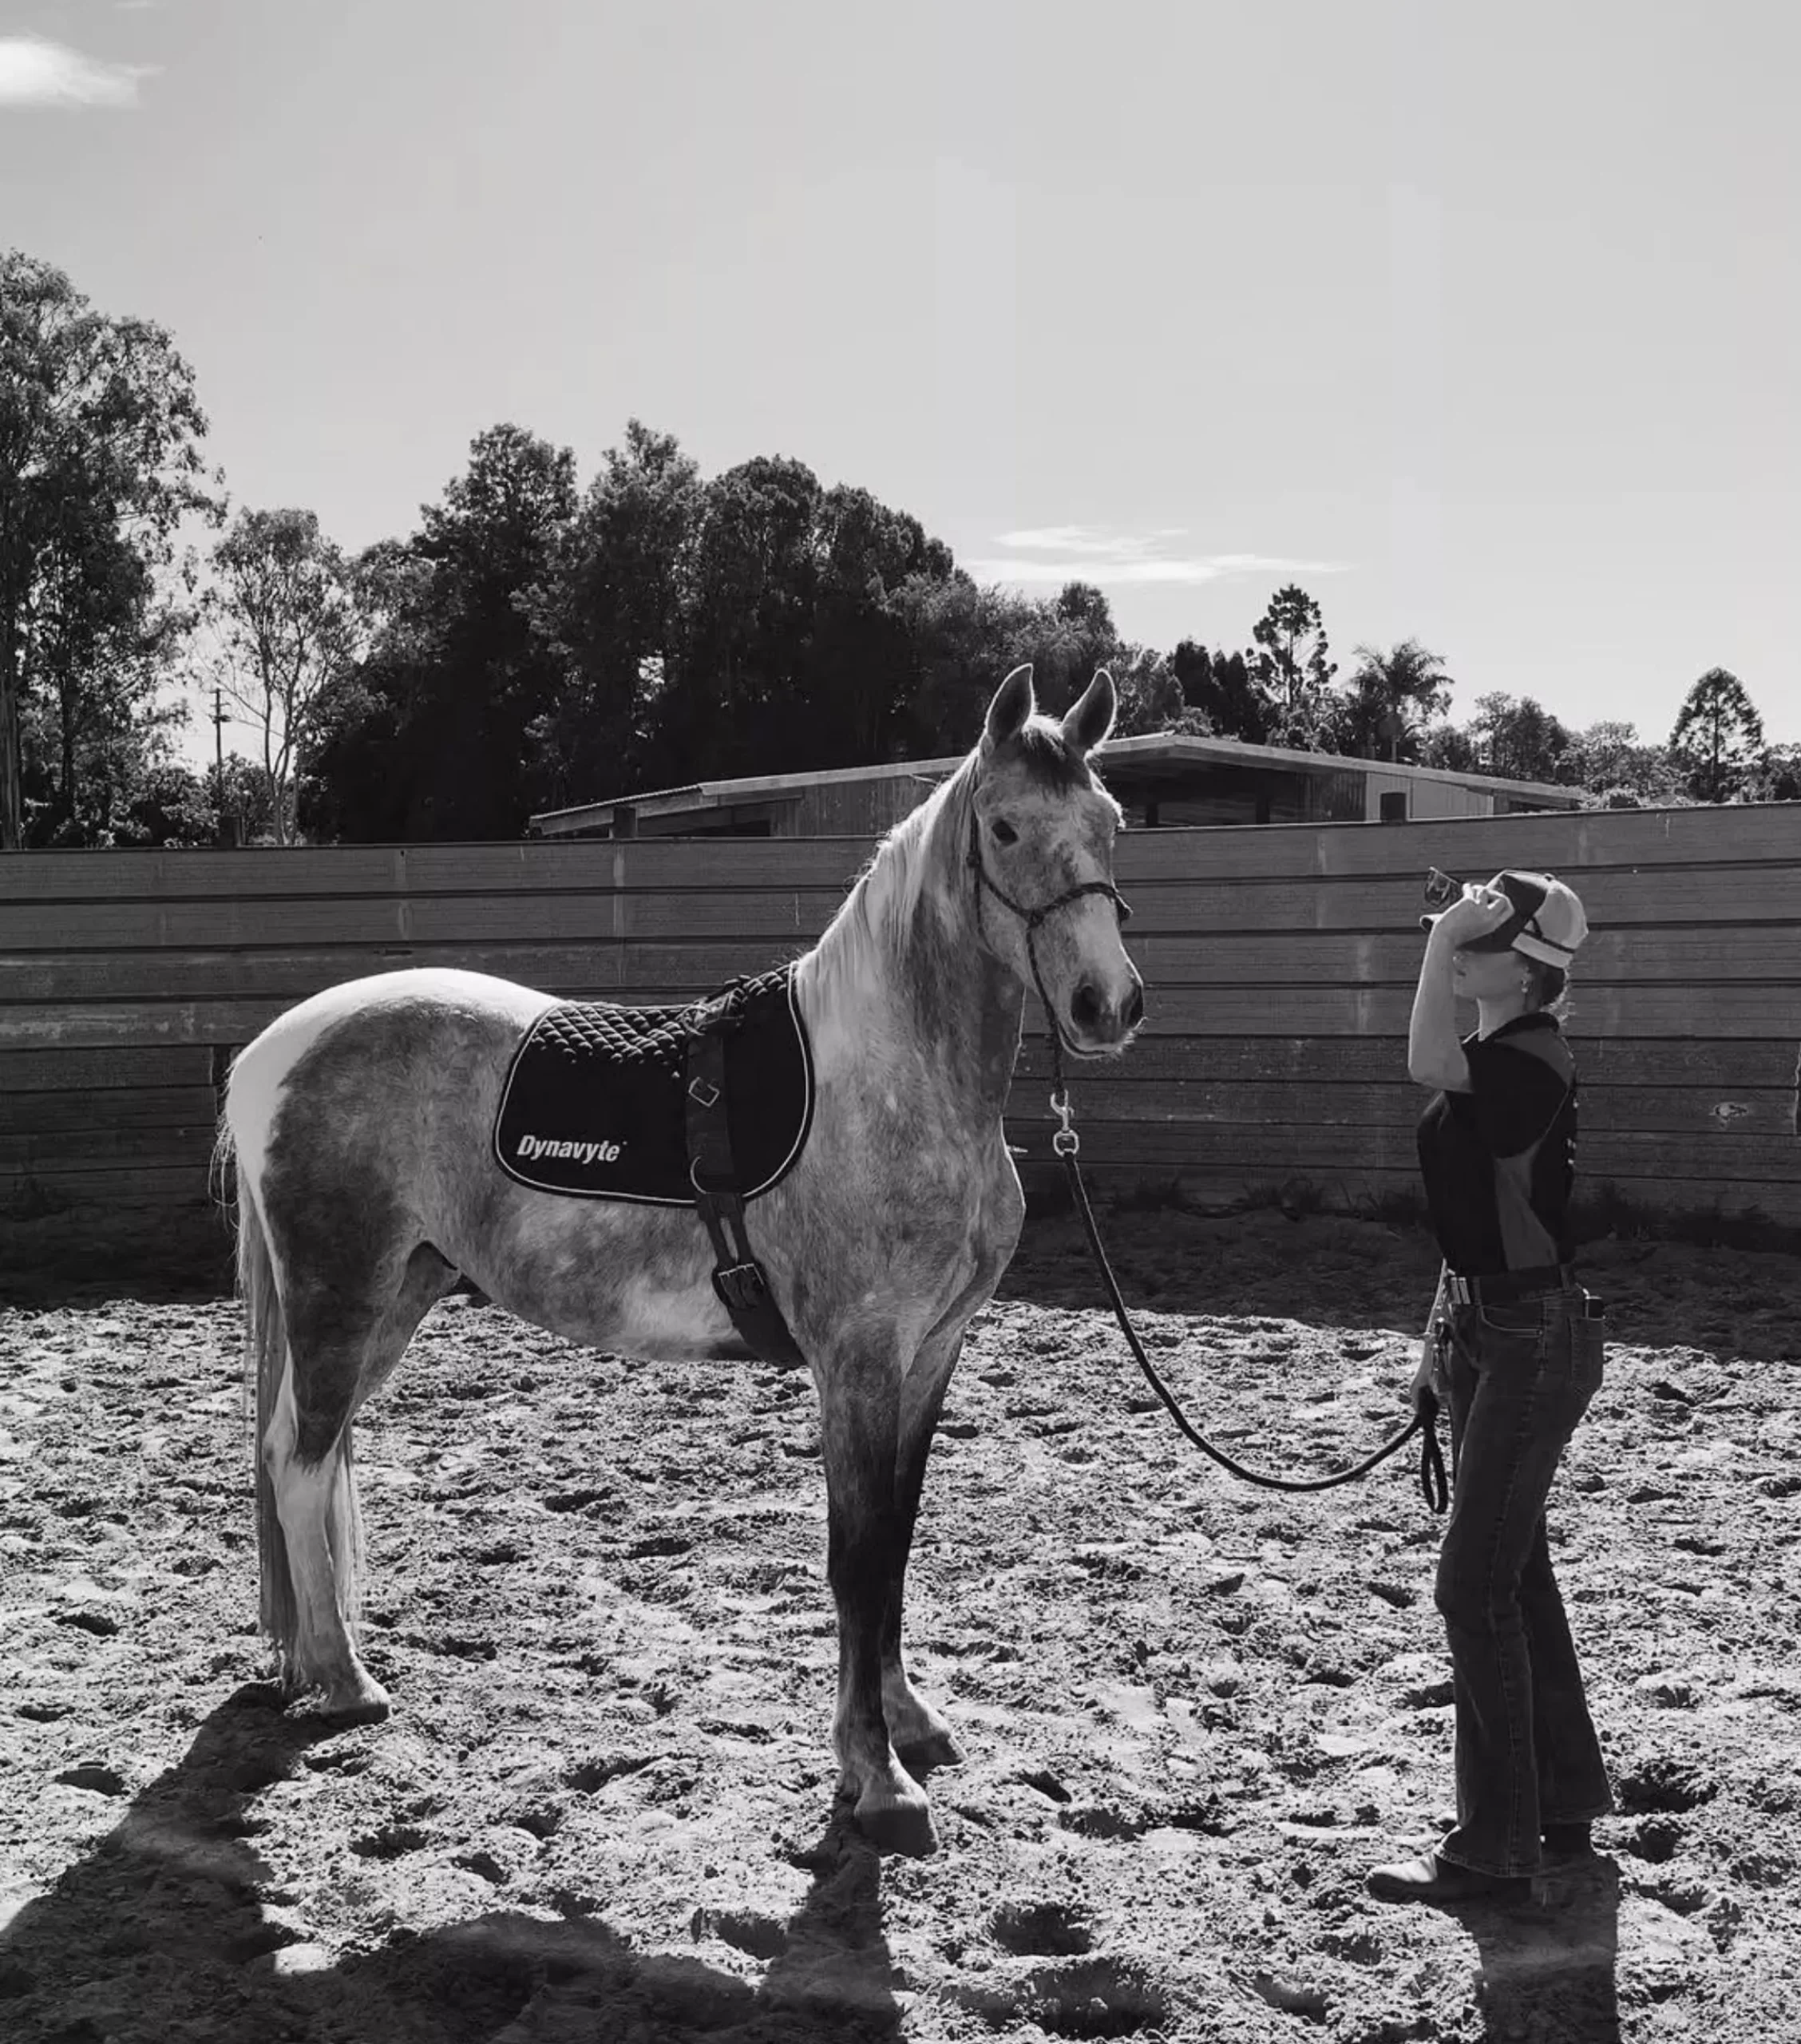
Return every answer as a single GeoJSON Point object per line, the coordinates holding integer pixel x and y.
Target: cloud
{"type": "Point", "coordinates": [1080, 539]}
{"type": "Point", "coordinates": [37, 72]}
{"type": "Point", "coordinates": [1057, 554]}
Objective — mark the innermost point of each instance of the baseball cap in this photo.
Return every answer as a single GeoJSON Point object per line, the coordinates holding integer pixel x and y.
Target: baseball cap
{"type": "Point", "coordinates": [1548, 922]}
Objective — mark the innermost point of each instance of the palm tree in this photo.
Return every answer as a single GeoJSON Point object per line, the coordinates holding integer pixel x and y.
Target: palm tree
{"type": "Point", "coordinates": [1392, 697]}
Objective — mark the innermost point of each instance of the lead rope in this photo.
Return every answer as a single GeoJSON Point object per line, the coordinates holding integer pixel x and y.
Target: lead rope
{"type": "Point", "coordinates": [1067, 1145]}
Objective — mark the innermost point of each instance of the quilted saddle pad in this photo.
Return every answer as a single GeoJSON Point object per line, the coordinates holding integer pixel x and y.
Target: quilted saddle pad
{"type": "Point", "coordinates": [595, 1102]}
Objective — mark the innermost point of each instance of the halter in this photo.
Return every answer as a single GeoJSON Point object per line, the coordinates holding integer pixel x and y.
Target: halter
{"type": "Point", "coordinates": [1033, 919]}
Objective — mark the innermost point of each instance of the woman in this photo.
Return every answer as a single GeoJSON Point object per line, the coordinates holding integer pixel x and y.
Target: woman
{"type": "Point", "coordinates": [1515, 1345]}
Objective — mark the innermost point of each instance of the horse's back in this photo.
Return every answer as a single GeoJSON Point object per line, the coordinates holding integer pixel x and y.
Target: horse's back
{"type": "Point", "coordinates": [382, 1043]}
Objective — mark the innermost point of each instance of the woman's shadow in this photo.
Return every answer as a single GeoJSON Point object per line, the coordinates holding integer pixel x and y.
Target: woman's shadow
{"type": "Point", "coordinates": [1548, 1974]}
{"type": "Point", "coordinates": [158, 1932]}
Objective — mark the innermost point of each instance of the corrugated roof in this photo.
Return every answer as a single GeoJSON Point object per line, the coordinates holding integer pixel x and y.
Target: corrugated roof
{"type": "Point", "coordinates": [1152, 749]}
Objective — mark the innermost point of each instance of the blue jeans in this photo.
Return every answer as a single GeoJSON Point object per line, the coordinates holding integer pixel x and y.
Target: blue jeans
{"type": "Point", "coordinates": [1519, 1378]}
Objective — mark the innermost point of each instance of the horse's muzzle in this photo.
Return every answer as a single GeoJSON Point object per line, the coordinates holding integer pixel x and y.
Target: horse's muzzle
{"type": "Point", "coordinates": [1101, 1019]}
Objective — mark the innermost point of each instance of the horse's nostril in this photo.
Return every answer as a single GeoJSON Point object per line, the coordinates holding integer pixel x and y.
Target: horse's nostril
{"type": "Point", "coordinates": [1086, 1009]}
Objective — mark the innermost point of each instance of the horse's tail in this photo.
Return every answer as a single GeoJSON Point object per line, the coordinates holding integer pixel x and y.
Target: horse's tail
{"type": "Point", "coordinates": [265, 1357]}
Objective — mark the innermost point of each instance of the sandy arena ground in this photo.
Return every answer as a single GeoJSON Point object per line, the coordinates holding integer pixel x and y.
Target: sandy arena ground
{"type": "Point", "coordinates": [1194, 1712]}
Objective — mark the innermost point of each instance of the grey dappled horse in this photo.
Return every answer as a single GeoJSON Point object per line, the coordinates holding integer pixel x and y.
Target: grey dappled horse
{"type": "Point", "coordinates": [361, 1123]}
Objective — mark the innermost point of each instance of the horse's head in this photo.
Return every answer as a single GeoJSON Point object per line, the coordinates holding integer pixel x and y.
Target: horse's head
{"type": "Point", "coordinates": [1041, 845]}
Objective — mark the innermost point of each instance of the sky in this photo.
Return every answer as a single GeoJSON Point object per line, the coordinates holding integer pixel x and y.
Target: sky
{"type": "Point", "coordinates": [1483, 324]}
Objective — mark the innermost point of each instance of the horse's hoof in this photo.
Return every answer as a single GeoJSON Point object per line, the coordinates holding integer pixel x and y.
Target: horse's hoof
{"type": "Point", "coordinates": [367, 1703]}
{"type": "Point", "coordinates": [905, 1828]}
{"type": "Point", "coordinates": [935, 1750]}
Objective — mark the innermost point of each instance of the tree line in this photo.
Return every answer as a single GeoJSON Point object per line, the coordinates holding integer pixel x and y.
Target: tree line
{"type": "Point", "coordinates": [534, 643]}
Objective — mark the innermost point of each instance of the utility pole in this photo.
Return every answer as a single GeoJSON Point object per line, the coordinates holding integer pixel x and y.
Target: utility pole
{"type": "Point", "coordinates": [226, 834]}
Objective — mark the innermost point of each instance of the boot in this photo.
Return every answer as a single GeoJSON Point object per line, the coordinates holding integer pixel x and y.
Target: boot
{"type": "Point", "coordinates": [1444, 1885]}
{"type": "Point", "coordinates": [1568, 1841]}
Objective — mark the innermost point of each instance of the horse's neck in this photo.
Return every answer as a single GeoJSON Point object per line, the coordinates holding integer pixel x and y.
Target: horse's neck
{"type": "Point", "coordinates": [925, 981]}
{"type": "Point", "coordinates": [964, 1007]}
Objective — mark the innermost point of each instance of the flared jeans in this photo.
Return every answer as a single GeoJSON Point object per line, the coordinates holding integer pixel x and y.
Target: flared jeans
{"type": "Point", "coordinates": [1519, 1377]}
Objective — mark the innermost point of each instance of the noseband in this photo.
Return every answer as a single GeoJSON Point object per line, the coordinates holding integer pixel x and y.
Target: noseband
{"type": "Point", "coordinates": [1034, 919]}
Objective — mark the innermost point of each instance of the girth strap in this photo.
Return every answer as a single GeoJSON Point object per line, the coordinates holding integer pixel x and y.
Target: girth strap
{"type": "Point", "coordinates": [738, 1278]}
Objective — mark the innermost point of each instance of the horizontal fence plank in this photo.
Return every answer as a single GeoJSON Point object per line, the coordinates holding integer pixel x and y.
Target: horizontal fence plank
{"type": "Point", "coordinates": [1728, 1064]}
{"type": "Point", "coordinates": [1372, 1194]}
{"type": "Point", "coordinates": [32, 1155]}
{"type": "Point", "coordinates": [1288, 1149]}
{"type": "Point", "coordinates": [110, 1186]}
{"type": "Point", "coordinates": [186, 1186]}
{"type": "Point", "coordinates": [109, 1069]}
{"type": "Point", "coordinates": [606, 969]}
{"type": "Point", "coordinates": [1734, 1153]}
{"type": "Point", "coordinates": [136, 1024]}
{"type": "Point", "coordinates": [1201, 1104]}
{"type": "Point", "coordinates": [1472, 847]}
{"type": "Point", "coordinates": [270, 872]}
{"type": "Point", "coordinates": [1362, 1192]}
{"type": "Point", "coordinates": [1717, 901]}
{"type": "Point", "coordinates": [1306, 958]}
{"type": "Point", "coordinates": [1702, 1013]}
{"type": "Point", "coordinates": [60, 1114]}
{"type": "Point", "coordinates": [375, 920]}
{"type": "Point", "coordinates": [1742, 1009]}
{"type": "Point", "coordinates": [1710, 954]}
{"type": "Point", "coordinates": [1196, 1102]}
{"type": "Point", "coordinates": [1624, 899]}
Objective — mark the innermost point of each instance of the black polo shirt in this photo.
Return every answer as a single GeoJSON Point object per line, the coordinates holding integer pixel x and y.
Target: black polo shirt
{"type": "Point", "coordinates": [1498, 1161]}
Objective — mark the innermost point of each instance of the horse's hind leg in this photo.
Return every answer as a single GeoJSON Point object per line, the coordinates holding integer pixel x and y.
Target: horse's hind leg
{"type": "Point", "coordinates": [921, 1737]}
{"type": "Point", "coordinates": [859, 1403]}
{"type": "Point", "coordinates": [341, 1342]}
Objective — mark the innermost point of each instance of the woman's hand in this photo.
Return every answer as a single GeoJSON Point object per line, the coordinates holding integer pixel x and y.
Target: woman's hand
{"type": "Point", "coordinates": [1426, 1379]}
{"type": "Point", "coordinates": [1474, 912]}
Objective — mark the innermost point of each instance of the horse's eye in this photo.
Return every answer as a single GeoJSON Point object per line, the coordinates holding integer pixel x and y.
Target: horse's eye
{"type": "Point", "coordinates": [1004, 833]}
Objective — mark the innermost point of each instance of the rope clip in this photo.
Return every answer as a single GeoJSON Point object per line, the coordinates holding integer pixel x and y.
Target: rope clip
{"type": "Point", "coordinates": [1066, 1143]}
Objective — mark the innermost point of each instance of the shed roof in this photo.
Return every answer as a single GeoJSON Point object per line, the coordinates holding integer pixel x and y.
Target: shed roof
{"type": "Point", "coordinates": [1123, 761]}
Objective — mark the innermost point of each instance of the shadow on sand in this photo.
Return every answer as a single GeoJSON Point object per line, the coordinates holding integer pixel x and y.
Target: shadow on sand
{"type": "Point", "coordinates": [159, 1936]}
{"type": "Point", "coordinates": [1547, 1973]}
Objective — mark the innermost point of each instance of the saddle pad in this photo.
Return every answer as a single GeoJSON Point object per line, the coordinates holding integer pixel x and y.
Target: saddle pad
{"type": "Point", "coordinates": [595, 1103]}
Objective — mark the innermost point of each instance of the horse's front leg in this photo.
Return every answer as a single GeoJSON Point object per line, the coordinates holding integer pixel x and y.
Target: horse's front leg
{"type": "Point", "coordinates": [921, 1737]}
{"type": "Point", "coordinates": [860, 1400]}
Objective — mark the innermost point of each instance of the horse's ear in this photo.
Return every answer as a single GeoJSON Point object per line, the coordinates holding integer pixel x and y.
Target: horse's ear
{"type": "Point", "coordinates": [1088, 724]}
{"type": "Point", "coordinates": [1013, 703]}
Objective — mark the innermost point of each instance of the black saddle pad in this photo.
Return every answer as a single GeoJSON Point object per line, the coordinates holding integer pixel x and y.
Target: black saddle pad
{"type": "Point", "coordinates": [595, 1103]}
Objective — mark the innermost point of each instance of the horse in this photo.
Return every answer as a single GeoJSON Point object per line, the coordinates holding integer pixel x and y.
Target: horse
{"type": "Point", "coordinates": [361, 1126]}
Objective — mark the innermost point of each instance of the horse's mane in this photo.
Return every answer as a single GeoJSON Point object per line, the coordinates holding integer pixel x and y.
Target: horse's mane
{"type": "Point", "coordinates": [871, 927]}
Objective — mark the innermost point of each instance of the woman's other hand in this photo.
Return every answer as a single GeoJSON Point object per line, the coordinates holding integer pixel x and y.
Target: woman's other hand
{"type": "Point", "coordinates": [1474, 912]}
{"type": "Point", "coordinates": [1425, 1378]}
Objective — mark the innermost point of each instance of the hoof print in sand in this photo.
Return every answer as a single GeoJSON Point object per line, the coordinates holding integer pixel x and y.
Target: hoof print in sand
{"type": "Point", "coordinates": [1092, 1998]}
{"type": "Point", "coordinates": [759, 1936]}
{"type": "Point", "coordinates": [391, 1842]}
{"type": "Point", "coordinates": [1041, 1930]}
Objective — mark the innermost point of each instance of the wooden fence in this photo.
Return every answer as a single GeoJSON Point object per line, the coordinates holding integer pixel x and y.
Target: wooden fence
{"type": "Point", "coordinates": [1279, 964]}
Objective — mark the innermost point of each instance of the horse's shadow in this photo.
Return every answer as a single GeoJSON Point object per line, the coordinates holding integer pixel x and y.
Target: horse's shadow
{"type": "Point", "coordinates": [1547, 1973]}
{"type": "Point", "coordinates": [158, 1932]}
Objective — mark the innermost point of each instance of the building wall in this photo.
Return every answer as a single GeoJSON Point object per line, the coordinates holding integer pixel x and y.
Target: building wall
{"type": "Point", "coordinates": [1425, 798]}
{"type": "Point", "coordinates": [855, 808]}
{"type": "Point", "coordinates": [1203, 797]}
{"type": "Point", "coordinates": [1279, 966]}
